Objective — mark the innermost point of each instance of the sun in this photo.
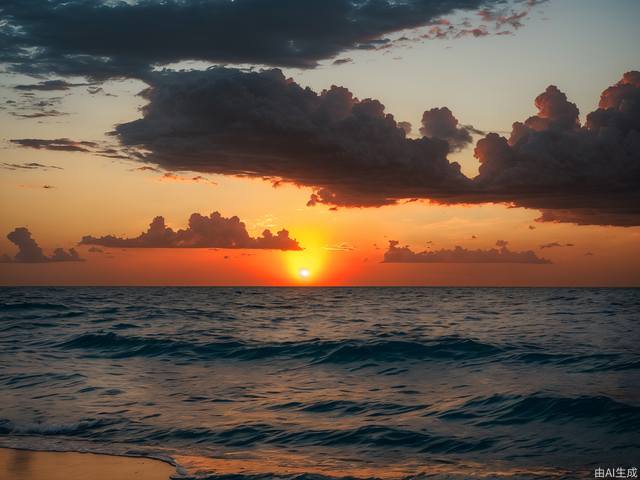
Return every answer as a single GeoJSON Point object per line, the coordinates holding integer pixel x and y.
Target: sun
{"type": "Point", "coordinates": [304, 273]}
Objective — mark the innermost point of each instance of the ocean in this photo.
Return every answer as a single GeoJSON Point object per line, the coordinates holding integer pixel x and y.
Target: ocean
{"type": "Point", "coordinates": [260, 383]}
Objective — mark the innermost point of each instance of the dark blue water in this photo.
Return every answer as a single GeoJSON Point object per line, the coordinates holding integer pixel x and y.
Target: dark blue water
{"type": "Point", "coordinates": [366, 382]}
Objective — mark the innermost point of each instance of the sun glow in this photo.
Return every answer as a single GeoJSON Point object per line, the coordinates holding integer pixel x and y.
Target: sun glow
{"type": "Point", "coordinates": [304, 273]}
{"type": "Point", "coordinates": [307, 265]}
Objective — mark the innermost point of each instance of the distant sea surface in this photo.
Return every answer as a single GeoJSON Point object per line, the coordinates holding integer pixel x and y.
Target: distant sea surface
{"type": "Point", "coordinates": [266, 383]}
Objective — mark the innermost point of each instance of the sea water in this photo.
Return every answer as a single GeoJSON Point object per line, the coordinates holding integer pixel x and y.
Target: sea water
{"type": "Point", "coordinates": [361, 382]}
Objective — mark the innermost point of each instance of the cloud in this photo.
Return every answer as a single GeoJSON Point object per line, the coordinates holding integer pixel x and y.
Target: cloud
{"type": "Point", "coordinates": [440, 123]}
{"type": "Point", "coordinates": [29, 166]}
{"type": "Point", "coordinates": [147, 168]}
{"type": "Point", "coordinates": [101, 39]}
{"type": "Point", "coordinates": [352, 153]}
{"type": "Point", "coordinates": [261, 124]}
{"type": "Point", "coordinates": [59, 144]}
{"type": "Point", "coordinates": [580, 174]}
{"type": "Point", "coordinates": [30, 252]}
{"type": "Point", "coordinates": [556, 244]}
{"type": "Point", "coordinates": [214, 231]}
{"type": "Point", "coordinates": [49, 85]}
{"type": "Point", "coordinates": [40, 114]}
{"type": "Point", "coordinates": [172, 177]}
{"type": "Point", "coordinates": [45, 187]}
{"type": "Point", "coordinates": [502, 254]}
{"type": "Point", "coordinates": [79, 146]}
{"type": "Point", "coordinates": [30, 106]}
{"type": "Point", "coordinates": [341, 247]}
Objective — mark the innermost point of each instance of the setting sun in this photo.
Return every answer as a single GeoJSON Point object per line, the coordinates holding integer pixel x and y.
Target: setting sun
{"type": "Point", "coordinates": [304, 273]}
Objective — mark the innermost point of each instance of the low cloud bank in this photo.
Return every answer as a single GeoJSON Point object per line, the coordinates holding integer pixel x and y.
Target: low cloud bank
{"type": "Point", "coordinates": [214, 231]}
{"type": "Point", "coordinates": [501, 254]}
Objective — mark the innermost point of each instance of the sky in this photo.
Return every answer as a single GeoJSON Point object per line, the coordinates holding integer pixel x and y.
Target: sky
{"type": "Point", "coordinates": [273, 140]}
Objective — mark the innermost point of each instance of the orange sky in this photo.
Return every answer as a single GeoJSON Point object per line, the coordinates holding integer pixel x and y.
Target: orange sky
{"type": "Point", "coordinates": [93, 195]}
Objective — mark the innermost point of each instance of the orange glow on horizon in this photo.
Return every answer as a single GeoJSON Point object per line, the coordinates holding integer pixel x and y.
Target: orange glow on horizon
{"type": "Point", "coordinates": [308, 266]}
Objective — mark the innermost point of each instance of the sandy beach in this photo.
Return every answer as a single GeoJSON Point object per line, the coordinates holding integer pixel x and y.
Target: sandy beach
{"type": "Point", "coordinates": [29, 465]}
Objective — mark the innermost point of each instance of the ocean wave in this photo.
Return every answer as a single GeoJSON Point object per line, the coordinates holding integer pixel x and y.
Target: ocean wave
{"type": "Point", "coordinates": [113, 345]}
{"type": "Point", "coordinates": [349, 407]}
{"type": "Point", "coordinates": [250, 435]}
{"type": "Point", "coordinates": [85, 427]}
{"type": "Point", "coordinates": [31, 306]}
{"type": "Point", "coordinates": [518, 409]}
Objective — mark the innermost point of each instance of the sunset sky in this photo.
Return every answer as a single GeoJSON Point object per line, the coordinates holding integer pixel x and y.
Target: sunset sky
{"type": "Point", "coordinates": [115, 113]}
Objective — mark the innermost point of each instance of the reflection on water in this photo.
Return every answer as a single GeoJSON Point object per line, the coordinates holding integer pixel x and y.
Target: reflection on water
{"type": "Point", "coordinates": [384, 382]}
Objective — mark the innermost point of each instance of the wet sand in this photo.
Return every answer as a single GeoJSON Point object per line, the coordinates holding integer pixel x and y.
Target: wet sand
{"type": "Point", "coordinates": [28, 465]}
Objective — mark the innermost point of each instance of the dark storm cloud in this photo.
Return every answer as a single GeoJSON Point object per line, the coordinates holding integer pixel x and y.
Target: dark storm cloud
{"type": "Point", "coordinates": [49, 85]}
{"type": "Point", "coordinates": [214, 231]}
{"type": "Point", "coordinates": [101, 39]}
{"type": "Point", "coordinates": [30, 252]}
{"type": "Point", "coordinates": [261, 124]}
{"type": "Point", "coordinates": [502, 254]}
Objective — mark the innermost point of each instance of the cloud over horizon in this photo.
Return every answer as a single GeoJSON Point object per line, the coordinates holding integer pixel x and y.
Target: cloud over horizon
{"type": "Point", "coordinates": [214, 231]}
{"type": "Point", "coordinates": [458, 254]}
{"type": "Point", "coordinates": [30, 252]}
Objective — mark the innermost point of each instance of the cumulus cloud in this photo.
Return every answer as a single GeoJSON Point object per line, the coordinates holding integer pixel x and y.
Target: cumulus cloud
{"type": "Point", "coordinates": [261, 124]}
{"type": "Point", "coordinates": [214, 231]}
{"type": "Point", "coordinates": [352, 153]}
{"type": "Point", "coordinates": [440, 123]}
{"type": "Point", "coordinates": [502, 254]}
{"type": "Point", "coordinates": [103, 39]}
{"type": "Point", "coordinates": [30, 252]}
{"type": "Point", "coordinates": [580, 174]}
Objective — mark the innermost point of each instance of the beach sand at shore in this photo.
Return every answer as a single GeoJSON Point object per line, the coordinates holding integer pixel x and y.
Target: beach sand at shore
{"type": "Point", "coordinates": [29, 465]}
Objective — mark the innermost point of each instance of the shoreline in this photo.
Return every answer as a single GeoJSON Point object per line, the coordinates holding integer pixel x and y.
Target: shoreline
{"type": "Point", "coordinates": [54, 465]}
